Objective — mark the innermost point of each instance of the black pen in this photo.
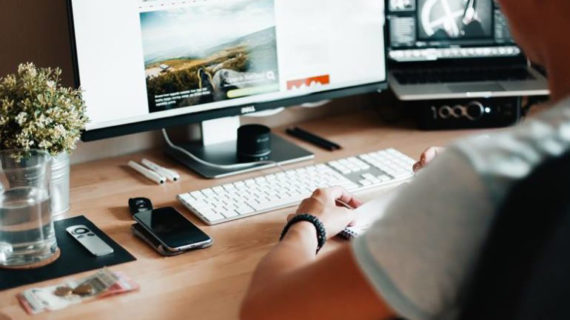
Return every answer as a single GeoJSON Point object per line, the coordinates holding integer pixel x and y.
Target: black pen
{"type": "Point", "coordinates": [312, 138]}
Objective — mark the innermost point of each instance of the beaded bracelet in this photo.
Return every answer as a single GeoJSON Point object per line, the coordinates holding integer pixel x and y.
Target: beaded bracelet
{"type": "Point", "coordinates": [321, 233]}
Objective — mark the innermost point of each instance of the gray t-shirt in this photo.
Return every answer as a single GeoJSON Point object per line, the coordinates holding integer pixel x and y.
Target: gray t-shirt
{"type": "Point", "coordinates": [419, 255]}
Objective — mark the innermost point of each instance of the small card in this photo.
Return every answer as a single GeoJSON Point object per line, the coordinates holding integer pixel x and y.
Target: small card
{"type": "Point", "coordinates": [102, 284]}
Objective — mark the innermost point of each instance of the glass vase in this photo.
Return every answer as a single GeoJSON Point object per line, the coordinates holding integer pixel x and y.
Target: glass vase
{"type": "Point", "coordinates": [27, 236]}
{"type": "Point", "coordinates": [60, 185]}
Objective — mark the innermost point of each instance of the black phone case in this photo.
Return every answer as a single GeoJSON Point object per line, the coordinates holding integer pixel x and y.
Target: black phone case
{"type": "Point", "coordinates": [147, 237]}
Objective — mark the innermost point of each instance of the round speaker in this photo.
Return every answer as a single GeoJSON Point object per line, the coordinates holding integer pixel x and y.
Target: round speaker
{"type": "Point", "coordinates": [253, 142]}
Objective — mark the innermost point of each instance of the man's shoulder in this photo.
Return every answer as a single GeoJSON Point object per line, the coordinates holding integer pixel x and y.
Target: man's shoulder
{"type": "Point", "coordinates": [552, 125]}
{"type": "Point", "coordinates": [513, 153]}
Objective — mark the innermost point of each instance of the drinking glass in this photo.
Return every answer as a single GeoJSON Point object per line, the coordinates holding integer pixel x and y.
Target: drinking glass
{"type": "Point", "coordinates": [27, 237]}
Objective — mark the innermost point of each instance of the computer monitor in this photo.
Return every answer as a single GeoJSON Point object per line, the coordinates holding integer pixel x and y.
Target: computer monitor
{"type": "Point", "coordinates": [430, 30]}
{"type": "Point", "coordinates": [151, 64]}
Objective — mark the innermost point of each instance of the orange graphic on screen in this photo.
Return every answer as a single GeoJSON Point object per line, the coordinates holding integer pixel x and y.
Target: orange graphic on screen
{"type": "Point", "coordinates": [308, 82]}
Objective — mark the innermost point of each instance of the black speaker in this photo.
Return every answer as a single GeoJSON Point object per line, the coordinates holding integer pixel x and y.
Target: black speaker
{"type": "Point", "coordinates": [468, 113]}
{"type": "Point", "coordinates": [253, 142]}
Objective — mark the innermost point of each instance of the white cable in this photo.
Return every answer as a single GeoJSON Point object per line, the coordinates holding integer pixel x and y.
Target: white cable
{"type": "Point", "coordinates": [237, 166]}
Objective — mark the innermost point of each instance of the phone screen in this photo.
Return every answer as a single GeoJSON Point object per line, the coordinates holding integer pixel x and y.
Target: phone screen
{"type": "Point", "coordinates": [171, 227]}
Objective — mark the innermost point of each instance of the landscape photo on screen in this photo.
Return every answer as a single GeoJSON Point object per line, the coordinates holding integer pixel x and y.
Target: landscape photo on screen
{"type": "Point", "coordinates": [215, 51]}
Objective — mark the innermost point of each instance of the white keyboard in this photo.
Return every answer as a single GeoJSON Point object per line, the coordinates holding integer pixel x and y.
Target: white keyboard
{"type": "Point", "coordinates": [283, 189]}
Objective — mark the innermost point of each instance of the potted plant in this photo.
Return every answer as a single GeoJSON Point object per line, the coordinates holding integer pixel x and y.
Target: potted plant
{"type": "Point", "coordinates": [36, 112]}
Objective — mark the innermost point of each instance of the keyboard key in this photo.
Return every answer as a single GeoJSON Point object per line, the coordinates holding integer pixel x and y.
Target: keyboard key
{"type": "Point", "coordinates": [211, 216]}
{"type": "Point", "coordinates": [230, 213]}
{"type": "Point", "coordinates": [245, 209]}
{"type": "Point", "coordinates": [197, 195]}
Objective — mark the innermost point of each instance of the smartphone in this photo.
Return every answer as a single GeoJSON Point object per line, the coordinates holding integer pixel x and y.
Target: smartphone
{"type": "Point", "coordinates": [149, 239]}
{"type": "Point", "coordinates": [169, 232]}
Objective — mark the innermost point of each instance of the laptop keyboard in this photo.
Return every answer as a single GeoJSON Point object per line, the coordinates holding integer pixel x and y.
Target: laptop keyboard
{"type": "Point", "coordinates": [443, 75]}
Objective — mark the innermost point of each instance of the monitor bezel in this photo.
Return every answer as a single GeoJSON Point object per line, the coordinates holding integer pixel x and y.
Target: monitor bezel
{"type": "Point", "coordinates": [195, 117]}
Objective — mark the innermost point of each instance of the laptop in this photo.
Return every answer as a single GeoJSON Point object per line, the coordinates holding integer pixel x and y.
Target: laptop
{"type": "Point", "coordinates": [452, 49]}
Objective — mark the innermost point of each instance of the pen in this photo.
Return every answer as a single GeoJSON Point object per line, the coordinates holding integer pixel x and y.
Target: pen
{"type": "Point", "coordinates": [149, 174]}
{"type": "Point", "coordinates": [174, 174]}
{"type": "Point", "coordinates": [347, 233]}
{"type": "Point", "coordinates": [344, 204]}
{"type": "Point", "coordinates": [167, 173]}
{"type": "Point", "coordinates": [313, 138]}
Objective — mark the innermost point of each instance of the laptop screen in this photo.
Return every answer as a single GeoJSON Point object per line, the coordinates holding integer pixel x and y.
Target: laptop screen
{"type": "Point", "coordinates": [430, 30]}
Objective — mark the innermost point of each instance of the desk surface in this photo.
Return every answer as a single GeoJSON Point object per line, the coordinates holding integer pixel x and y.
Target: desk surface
{"type": "Point", "coordinates": [209, 283]}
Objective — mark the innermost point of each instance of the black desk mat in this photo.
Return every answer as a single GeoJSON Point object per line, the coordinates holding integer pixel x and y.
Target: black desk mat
{"type": "Point", "coordinates": [74, 257]}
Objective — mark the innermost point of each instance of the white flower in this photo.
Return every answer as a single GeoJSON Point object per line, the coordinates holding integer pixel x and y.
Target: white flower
{"type": "Point", "coordinates": [21, 118]}
{"type": "Point", "coordinates": [60, 129]}
{"type": "Point", "coordinates": [44, 144]}
{"type": "Point", "coordinates": [41, 121]}
{"type": "Point", "coordinates": [47, 116]}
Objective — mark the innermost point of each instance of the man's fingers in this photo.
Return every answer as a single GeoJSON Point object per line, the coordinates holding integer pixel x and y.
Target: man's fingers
{"type": "Point", "coordinates": [311, 203]}
{"type": "Point", "coordinates": [349, 198]}
{"type": "Point", "coordinates": [426, 157]}
{"type": "Point", "coordinates": [337, 193]}
{"type": "Point", "coordinates": [417, 166]}
{"type": "Point", "coordinates": [431, 153]}
{"type": "Point", "coordinates": [353, 202]}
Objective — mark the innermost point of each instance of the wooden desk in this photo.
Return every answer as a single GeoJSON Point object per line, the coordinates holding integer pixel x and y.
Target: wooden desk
{"type": "Point", "coordinates": [210, 283]}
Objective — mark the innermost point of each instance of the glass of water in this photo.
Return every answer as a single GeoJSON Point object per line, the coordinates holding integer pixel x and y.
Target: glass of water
{"type": "Point", "coordinates": [27, 237]}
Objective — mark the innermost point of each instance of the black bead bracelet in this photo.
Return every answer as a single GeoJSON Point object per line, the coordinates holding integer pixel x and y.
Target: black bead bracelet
{"type": "Point", "coordinates": [321, 233]}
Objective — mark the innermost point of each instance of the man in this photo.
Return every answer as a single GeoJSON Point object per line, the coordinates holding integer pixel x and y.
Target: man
{"type": "Point", "coordinates": [472, 27]}
{"type": "Point", "coordinates": [414, 262]}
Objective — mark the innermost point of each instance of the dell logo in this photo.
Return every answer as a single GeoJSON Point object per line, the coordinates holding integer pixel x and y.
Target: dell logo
{"type": "Point", "coordinates": [248, 109]}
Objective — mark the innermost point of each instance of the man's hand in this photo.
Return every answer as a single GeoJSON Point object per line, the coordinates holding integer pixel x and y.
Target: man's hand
{"type": "Point", "coordinates": [323, 205]}
{"type": "Point", "coordinates": [427, 156]}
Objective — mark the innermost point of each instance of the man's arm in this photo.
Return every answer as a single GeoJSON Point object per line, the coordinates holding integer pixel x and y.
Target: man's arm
{"type": "Point", "coordinates": [291, 283]}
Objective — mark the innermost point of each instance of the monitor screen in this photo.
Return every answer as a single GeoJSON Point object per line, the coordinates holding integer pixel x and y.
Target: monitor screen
{"type": "Point", "coordinates": [426, 30]}
{"type": "Point", "coordinates": [148, 61]}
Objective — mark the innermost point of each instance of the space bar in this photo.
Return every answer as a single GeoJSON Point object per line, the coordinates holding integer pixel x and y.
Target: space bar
{"type": "Point", "coordinates": [280, 203]}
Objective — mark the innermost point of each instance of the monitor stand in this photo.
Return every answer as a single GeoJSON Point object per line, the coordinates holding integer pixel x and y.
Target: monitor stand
{"type": "Point", "coordinates": [218, 146]}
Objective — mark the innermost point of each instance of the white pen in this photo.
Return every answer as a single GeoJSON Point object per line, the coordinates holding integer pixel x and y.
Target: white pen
{"type": "Point", "coordinates": [344, 204]}
{"type": "Point", "coordinates": [149, 174]}
{"type": "Point", "coordinates": [168, 173]}
{"type": "Point", "coordinates": [174, 174]}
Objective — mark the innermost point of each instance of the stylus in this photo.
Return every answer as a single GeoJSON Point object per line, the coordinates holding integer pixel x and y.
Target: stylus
{"type": "Point", "coordinates": [167, 173]}
{"type": "Point", "coordinates": [149, 174]}
{"type": "Point", "coordinates": [313, 138]}
{"type": "Point", "coordinates": [344, 204]}
{"type": "Point", "coordinates": [346, 233]}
